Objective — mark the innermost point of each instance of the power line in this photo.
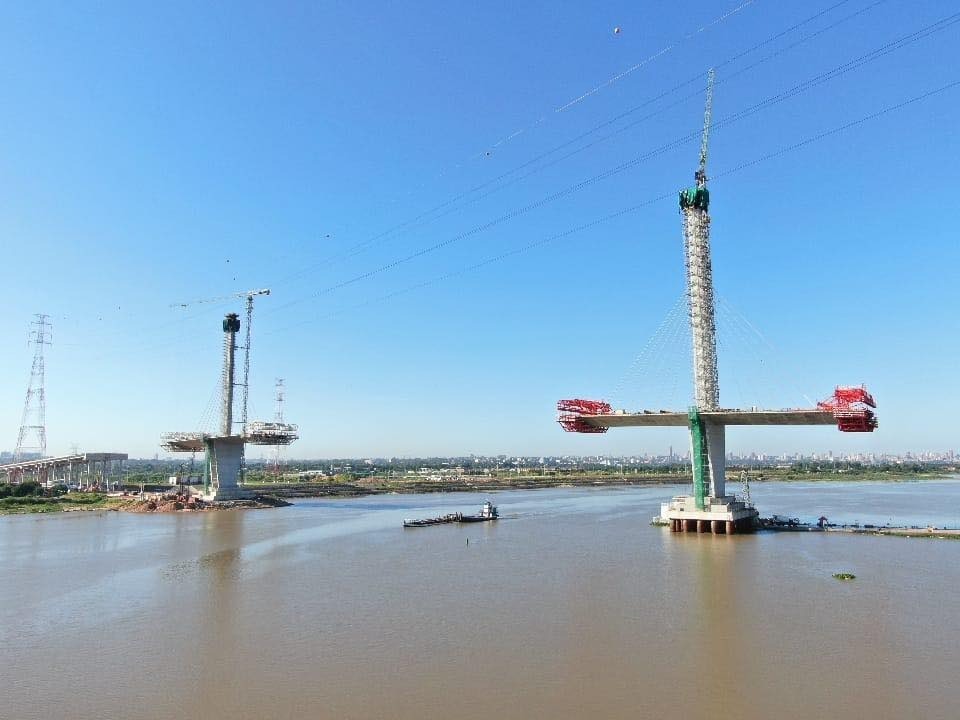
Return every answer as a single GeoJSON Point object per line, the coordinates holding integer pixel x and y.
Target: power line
{"type": "Point", "coordinates": [625, 211]}
{"type": "Point", "coordinates": [424, 218]}
{"type": "Point", "coordinates": [621, 75]}
{"type": "Point", "coordinates": [697, 94]}
{"type": "Point", "coordinates": [563, 107]}
{"type": "Point", "coordinates": [619, 213]}
{"type": "Point", "coordinates": [890, 47]}
{"type": "Point", "coordinates": [756, 108]}
{"type": "Point", "coordinates": [835, 131]}
{"type": "Point", "coordinates": [717, 125]}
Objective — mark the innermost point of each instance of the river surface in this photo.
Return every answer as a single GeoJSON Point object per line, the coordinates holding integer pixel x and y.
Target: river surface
{"type": "Point", "coordinates": [570, 606]}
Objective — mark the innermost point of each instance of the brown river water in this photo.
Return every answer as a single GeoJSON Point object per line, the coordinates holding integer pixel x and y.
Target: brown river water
{"type": "Point", "coordinates": [570, 606]}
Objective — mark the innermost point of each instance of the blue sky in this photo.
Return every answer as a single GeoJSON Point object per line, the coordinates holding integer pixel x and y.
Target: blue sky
{"type": "Point", "coordinates": [156, 153]}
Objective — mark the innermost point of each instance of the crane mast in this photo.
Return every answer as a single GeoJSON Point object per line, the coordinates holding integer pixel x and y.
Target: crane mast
{"type": "Point", "coordinates": [701, 174]}
{"type": "Point", "coordinates": [246, 357]}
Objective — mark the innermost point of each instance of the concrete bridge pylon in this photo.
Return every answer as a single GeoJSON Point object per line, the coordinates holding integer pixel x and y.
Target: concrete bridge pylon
{"type": "Point", "coordinates": [709, 508]}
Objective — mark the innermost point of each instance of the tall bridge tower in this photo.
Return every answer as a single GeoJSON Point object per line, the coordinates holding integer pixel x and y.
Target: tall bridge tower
{"type": "Point", "coordinates": [224, 451]}
{"type": "Point", "coordinates": [708, 439]}
{"type": "Point", "coordinates": [710, 509]}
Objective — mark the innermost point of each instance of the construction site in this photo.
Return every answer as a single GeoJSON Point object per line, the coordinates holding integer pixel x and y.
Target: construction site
{"type": "Point", "coordinates": [223, 453]}
{"type": "Point", "coordinates": [710, 508]}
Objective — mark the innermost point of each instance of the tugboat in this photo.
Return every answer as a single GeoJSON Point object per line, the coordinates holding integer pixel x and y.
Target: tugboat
{"type": "Point", "coordinates": [487, 512]}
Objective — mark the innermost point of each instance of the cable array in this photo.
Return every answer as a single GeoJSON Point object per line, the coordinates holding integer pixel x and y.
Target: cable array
{"type": "Point", "coordinates": [653, 377]}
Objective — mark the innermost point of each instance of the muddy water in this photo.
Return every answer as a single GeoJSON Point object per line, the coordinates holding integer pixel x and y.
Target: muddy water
{"type": "Point", "coordinates": [571, 606]}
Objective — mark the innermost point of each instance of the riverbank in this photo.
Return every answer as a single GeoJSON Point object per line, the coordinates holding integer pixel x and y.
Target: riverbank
{"type": "Point", "coordinates": [72, 502]}
{"type": "Point", "coordinates": [183, 503]}
{"type": "Point", "coordinates": [932, 533]}
{"type": "Point", "coordinates": [270, 493]}
{"type": "Point", "coordinates": [99, 502]}
{"type": "Point", "coordinates": [344, 486]}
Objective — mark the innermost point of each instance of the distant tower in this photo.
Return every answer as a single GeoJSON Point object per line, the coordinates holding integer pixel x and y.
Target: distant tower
{"type": "Point", "coordinates": [278, 418]}
{"type": "Point", "coordinates": [231, 325]}
{"type": "Point", "coordinates": [224, 453]}
{"type": "Point", "coordinates": [34, 418]}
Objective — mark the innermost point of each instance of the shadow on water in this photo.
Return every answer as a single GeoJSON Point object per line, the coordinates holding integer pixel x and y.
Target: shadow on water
{"type": "Point", "coordinates": [219, 622]}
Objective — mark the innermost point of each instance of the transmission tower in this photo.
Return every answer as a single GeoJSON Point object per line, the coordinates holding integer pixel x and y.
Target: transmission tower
{"type": "Point", "coordinates": [34, 418]}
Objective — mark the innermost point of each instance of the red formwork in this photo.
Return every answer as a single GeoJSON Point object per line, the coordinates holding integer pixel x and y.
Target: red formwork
{"type": "Point", "coordinates": [851, 407]}
{"type": "Point", "coordinates": [571, 414]}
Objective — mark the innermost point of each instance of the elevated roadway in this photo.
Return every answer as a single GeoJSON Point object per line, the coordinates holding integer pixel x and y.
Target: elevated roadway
{"type": "Point", "coordinates": [664, 418]}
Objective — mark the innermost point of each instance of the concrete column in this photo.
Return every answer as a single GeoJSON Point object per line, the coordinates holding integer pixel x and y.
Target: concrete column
{"type": "Point", "coordinates": [231, 324]}
{"type": "Point", "coordinates": [716, 450]}
{"type": "Point", "coordinates": [731, 527]}
{"type": "Point", "coordinates": [701, 526]}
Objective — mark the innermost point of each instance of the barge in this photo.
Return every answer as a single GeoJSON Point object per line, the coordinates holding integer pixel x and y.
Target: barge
{"type": "Point", "coordinates": [487, 512]}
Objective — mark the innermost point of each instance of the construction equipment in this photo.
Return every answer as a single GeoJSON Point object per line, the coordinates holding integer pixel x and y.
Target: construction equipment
{"type": "Point", "coordinates": [249, 295]}
{"type": "Point", "coordinates": [852, 407]}
{"type": "Point", "coordinates": [224, 455]}
{"type": "Point", "coordinates": [571, 413]}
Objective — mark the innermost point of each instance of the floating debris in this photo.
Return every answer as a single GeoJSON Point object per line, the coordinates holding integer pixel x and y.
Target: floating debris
{"type": "Point", "coordinates": [844, 576]}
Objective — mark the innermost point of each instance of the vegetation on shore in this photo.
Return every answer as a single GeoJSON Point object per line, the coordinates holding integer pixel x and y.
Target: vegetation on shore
{"type": "Point", "coordinates": [30, 497]}
{"type": "Point", "coordinates": [352, 484]}
{"type": "Point", "coordinates": [295, 481]}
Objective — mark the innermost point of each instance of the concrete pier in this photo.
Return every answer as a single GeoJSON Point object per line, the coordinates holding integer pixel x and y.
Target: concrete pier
{"type": "Point", "coordinates": [720, 515]}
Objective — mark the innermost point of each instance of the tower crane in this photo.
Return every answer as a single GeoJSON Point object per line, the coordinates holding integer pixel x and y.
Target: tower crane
{"type": "Point", "coordinates": [701, 174]}
{"type": "Point", "coordinates": [249, 295]}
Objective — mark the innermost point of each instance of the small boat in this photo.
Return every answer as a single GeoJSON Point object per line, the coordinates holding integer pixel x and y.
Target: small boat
{"type": "Point", "coordinates": [487, 512]}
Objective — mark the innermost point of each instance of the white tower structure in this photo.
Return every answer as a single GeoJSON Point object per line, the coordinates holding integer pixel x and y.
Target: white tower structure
{"type": "Point", "coordinates": [708, 439]}
{"type": "Point", "coordinates": [694, 206]}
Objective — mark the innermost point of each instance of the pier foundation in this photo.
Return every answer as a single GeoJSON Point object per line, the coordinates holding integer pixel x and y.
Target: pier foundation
{"type": "Point", "coordinates": [719, 516]}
